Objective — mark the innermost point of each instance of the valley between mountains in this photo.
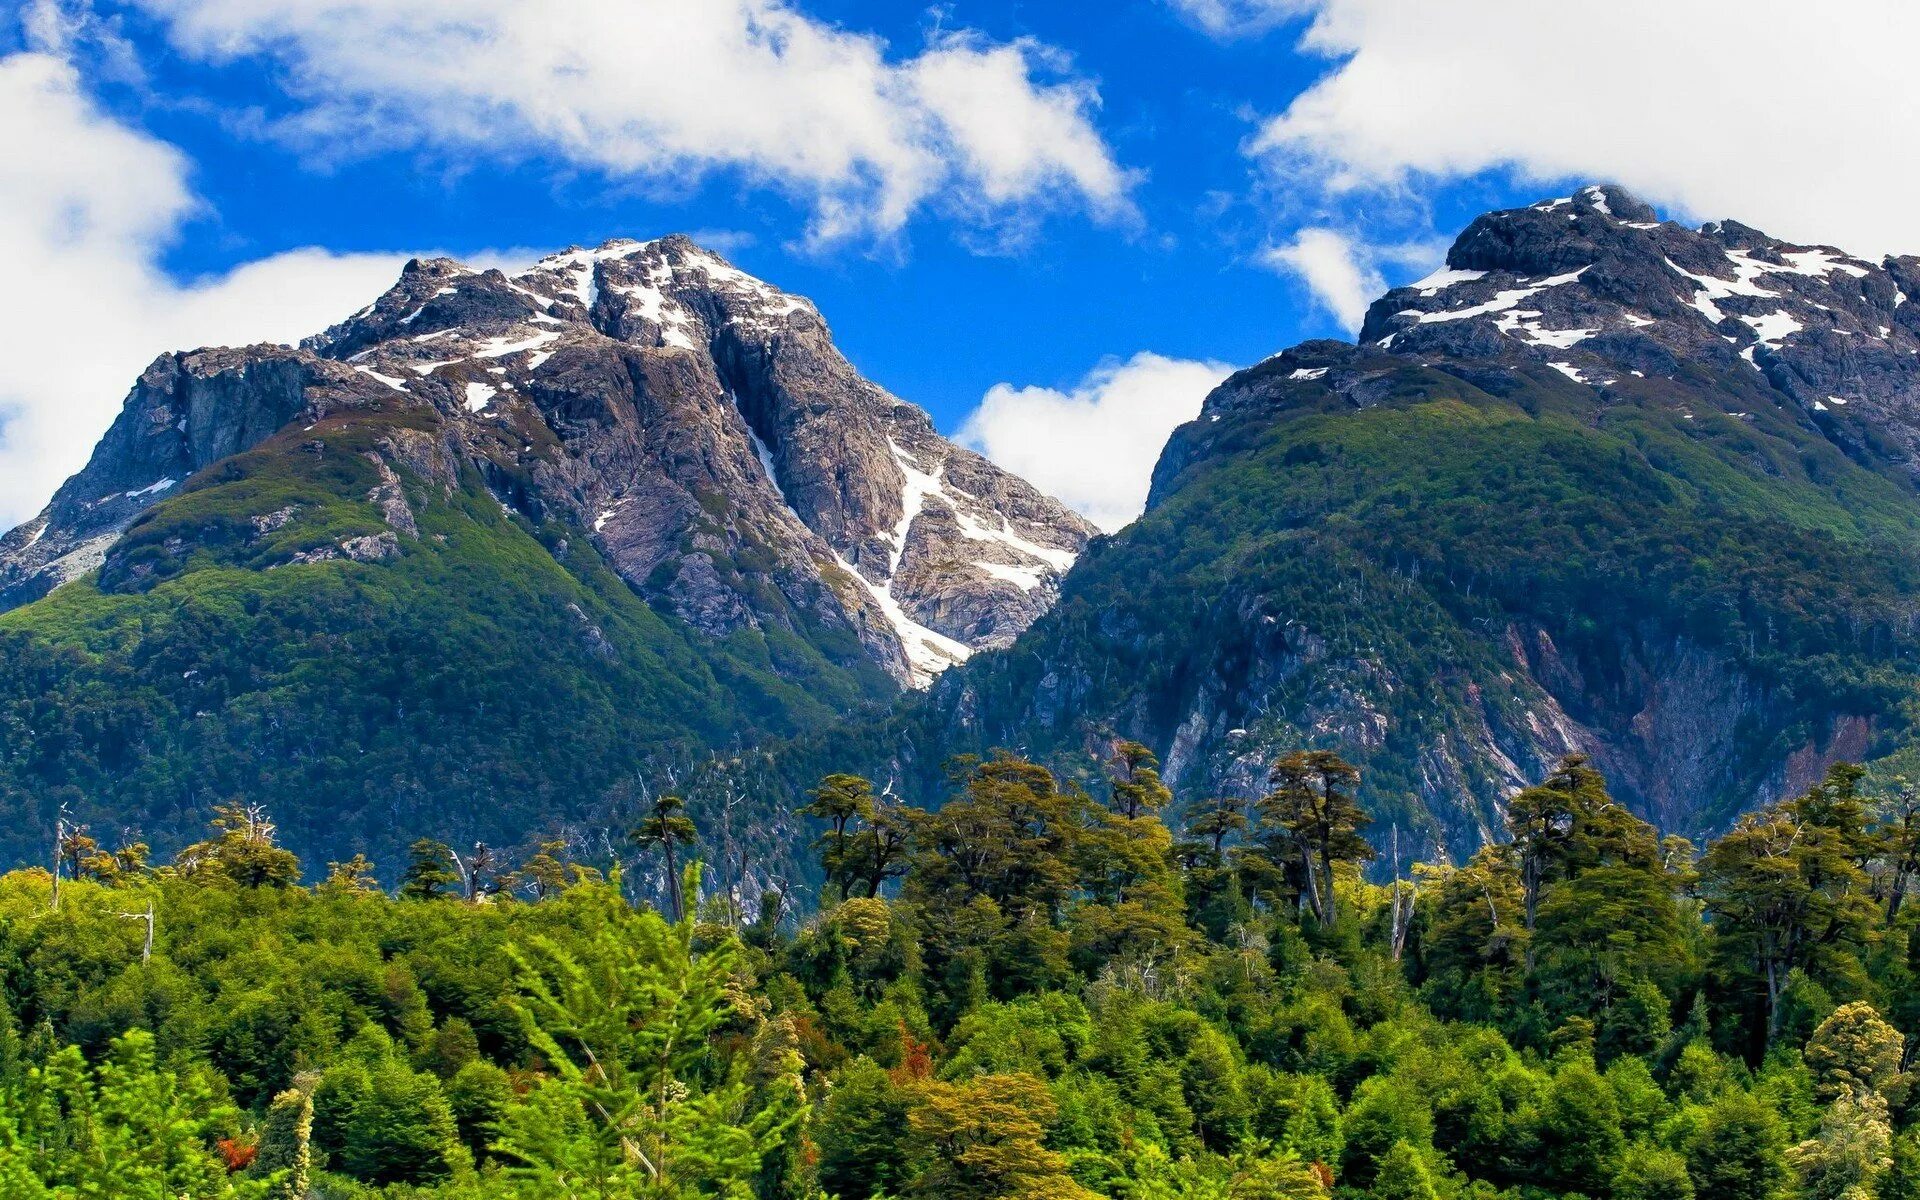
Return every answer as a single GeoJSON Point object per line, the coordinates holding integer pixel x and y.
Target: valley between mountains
{"type": "Point", "coordinates": [499, 553]}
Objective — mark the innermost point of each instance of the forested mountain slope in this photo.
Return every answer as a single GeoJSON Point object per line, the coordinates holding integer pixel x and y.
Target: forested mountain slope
{"type": "Point", "coordinates": [1603, 484]}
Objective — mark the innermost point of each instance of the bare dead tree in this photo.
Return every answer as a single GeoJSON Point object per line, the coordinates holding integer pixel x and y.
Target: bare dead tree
{"type": "Point", "coordinates": [146, 950]}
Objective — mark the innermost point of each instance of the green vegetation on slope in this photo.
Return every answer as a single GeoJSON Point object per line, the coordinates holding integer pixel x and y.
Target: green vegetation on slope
{"type": "Point", "coordinates": [1063, 996]}
{"type": "Point", "coordinates": [1362, 578]}
{"type": "Point", "coordinates": [489, 679]}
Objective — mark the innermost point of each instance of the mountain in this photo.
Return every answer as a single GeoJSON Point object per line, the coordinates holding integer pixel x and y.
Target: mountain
{"type": "Point", "coordinates": [459, 562]}
{"type": "Point", "coordinates": [1603, 484]}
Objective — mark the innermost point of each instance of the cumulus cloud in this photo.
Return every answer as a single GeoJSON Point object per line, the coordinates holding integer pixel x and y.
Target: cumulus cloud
{"type": "Point", "coordinates": [1775, 112]}
{"type": "Point", "coordinates": [665, 91]}
{"type": "Point", "coordinates": [1093, 445]}
{"type": "Point", "coordinates": [86, 207]}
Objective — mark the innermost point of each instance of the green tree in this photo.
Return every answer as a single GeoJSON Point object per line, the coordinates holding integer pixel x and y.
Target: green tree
{"type": "Point", "coordinates": [639, 1102]}
{"type": "Point", "coordinates": [1136, 784]}
{"type": "Point", "coordinates": [667, 828]}
{"type": "Point", "coordinates": [860, 1131]}
{"type": "Point", "coordinates": [1313, 801]}
{"type": "Point", "coordinates": [431, 873]}
{"type": "Point", "coordinates": [125, 1128]}
{"type": "Point", "coordinates": [844, 802]}
{"type": "Point", "coordinates": [1403, 1175]}
{"type": "Point", "coordinates": [1737, 1151]}
{"type": "Point", "coordinates": [244, 851]}
{"type": "Point", "coordinates": [1650, 1172]}
{"type": "Point", "coordinates": [1787, 892]}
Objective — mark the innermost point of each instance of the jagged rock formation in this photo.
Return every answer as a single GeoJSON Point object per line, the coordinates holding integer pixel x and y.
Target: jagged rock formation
{"type": "Point", "coordinates": [699, 425]}
{"type": "Point", "coordinates": [1603, 484]}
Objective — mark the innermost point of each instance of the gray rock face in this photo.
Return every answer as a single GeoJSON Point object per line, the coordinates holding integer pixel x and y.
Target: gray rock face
{"type": "Point", "coordinates": [697, 423]}
{"type": "Point", "coordinates": [184, 413]}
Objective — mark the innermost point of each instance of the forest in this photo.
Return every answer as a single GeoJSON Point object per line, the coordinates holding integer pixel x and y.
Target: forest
{"type": "Point", "coordinates": [1041, 989]}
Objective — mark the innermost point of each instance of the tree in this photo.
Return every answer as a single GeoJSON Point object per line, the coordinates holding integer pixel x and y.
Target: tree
{"type": "Point", "coordinates": [666, 829]}
{"type": "Point", "coordinates": [860, 1132]}
{"type": "Point", "coordinates": [1403, 1175]}
{"type": "Point", "coordinates": [1569, 824]}
{"type": "Point", "coordinates": [1902, 1180]}
{"type": "Point", "coordinates": [286, 1149]}
{"type": "Point", "coordinates": [548, 872]}
{"type": "Point", "coordinates": [1737, 1151]}
{"type": "Point", "coordinates": [1578, 1131]}
{"type": "Point", "coordinates": [1313, 801]}
{"type": "Point", "coordinates": [1652, 1173]}
{"type": "Point", "coordinates": [1851, 1152]}
{"type": "Point", "coordinates": [355, 877]}
{"type": "Point", "coordinates": [431, 873]}
{"type": "Point", "coordinates": [640, 1101]}
{"type": "Point", "coordinates": [1854, 1053]}
{"type": "Point", "coordinates": [883, 849]}
{"type": "Point", "coordinates": [1215, 820]}
{"type": "Point", "coordinates": [243, 851]}
{"type": "Point", "coordinates": [984, 1140]}
{"type": "Point", "coordinates": [1011, 837]}
{"type": "Point", "coordinates": [1787, 891]}
{"type": "Point", "coordinates": [1136, 785]}
{"type": "Point", "coordinates": [843, 801]}
{"type": "Point", "coordinates": [125, 1128]}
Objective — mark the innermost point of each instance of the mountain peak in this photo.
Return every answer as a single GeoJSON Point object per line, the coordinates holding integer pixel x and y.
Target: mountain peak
{"type": "Point", "coordinates": [695, 422]}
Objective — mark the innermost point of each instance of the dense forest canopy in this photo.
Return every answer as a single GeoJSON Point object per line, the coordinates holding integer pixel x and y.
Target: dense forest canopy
{"type": "Point", "coordinates": [1040, 990]}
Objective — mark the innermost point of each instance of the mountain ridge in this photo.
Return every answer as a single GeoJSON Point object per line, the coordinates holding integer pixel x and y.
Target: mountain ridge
{"type": "Point", "coordinates": [1603, 484]}
{"type": "Point", "coordinates": [483, 550]}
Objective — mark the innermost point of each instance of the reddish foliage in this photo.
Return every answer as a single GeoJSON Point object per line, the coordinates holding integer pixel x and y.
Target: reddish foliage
{"type": "Point", "coordinates": [239, 1154]}
{"type": "Point", "coordinates": [916, 1059]}
{"type": "Point", "coordinates": [1324, 1173]}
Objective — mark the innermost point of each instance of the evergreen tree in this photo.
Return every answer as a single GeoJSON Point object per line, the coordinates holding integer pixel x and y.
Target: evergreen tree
{"type": "Point", "coordinates": [1313, 801]}
{"type": "Point", "coordinates": [667, 828]}
{"type": "Point", "coordinates": [844, 802]}
{"type": "Point", "coordinates": [1737, 1151]}
{"type": "Point", "coordinates": [431, 873]}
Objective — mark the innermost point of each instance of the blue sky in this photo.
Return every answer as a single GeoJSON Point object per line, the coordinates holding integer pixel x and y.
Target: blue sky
{"type": "Point", "coordinates": [1056, 186]}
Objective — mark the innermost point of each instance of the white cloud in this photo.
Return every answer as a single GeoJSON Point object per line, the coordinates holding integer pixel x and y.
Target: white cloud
{"type": "Point", "coordinates": [86, 207]}
{"type": "Point", "coordinates": [1093, 446]}
{"type": "Point", "coordinates": [1336, 269]}
{"type": "Point", "coordinates": [1775, 112]}
{"type": "Point", "coordinates": [1240, 18]}
{"type": "Point", "coordinates": [1345, 272]}
{"type": "Point", "coordinates": [665, 91]}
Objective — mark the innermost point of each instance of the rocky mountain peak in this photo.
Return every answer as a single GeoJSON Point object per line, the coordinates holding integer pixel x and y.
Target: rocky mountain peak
{"type": "Point", "coordinates": [696, 422]}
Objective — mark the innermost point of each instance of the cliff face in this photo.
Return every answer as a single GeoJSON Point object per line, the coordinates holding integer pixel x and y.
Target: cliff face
{"type": "Point", "coordinates": [1603, 484]}
{"type": "Point", "coordinates": [698, 425]}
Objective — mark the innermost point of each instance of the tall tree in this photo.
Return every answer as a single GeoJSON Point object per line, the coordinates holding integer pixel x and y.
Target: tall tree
{"type": "Point", "coordinates": [666, 829]}
{"type": "Point", "coordinates": [1313, 801]}
{"type": "Point", "coordinates": [1788, 891]}
{"type": "Point", "coordinates": [1136, 784]}
{"type": "Point", "coordinates": [844, 802]}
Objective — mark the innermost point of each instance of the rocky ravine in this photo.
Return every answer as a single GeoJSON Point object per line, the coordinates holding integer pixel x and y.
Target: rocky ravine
{"type": "Point", "coordinates": [697, 423]}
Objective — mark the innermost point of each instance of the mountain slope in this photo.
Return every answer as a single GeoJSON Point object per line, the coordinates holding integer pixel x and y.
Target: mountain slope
{"type": "Point", "coordinates": [1603, 484]}
{"type": "Point", "coordinates": [465, 559]}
